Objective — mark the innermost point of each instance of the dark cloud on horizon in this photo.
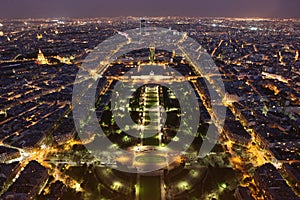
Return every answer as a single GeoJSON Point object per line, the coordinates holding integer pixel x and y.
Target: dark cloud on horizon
{"type": "Point", "coordinates": [201, 8]}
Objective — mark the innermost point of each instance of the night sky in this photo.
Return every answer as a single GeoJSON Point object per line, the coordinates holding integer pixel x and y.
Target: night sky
{"type": "Point", "coordinates": [100, 8]}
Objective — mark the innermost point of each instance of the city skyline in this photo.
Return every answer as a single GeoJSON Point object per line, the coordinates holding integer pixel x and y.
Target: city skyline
{"type": "Point", "coordinates": [190, 8]}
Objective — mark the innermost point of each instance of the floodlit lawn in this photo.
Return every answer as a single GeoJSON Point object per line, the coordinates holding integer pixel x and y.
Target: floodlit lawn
{"type": "Point", "coordinates": [151, 141]}
{"type": "Point", "coordinates": [148, 159]}
{"type": "Point", "coordinates": [150, 188]}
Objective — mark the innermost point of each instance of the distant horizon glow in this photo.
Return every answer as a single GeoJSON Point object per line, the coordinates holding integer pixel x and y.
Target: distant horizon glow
{"type": "Point", "coordinates": [12, 9]}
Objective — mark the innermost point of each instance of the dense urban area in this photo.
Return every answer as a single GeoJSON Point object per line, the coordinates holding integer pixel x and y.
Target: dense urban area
{"type": "Point", "coordinates": [258, 152]}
